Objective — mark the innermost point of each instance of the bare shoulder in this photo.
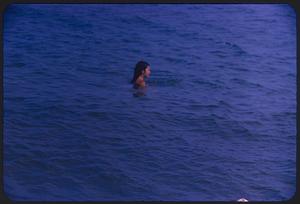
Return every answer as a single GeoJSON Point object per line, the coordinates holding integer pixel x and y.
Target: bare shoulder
{"type": "Point", "coordinates": [140, 82]}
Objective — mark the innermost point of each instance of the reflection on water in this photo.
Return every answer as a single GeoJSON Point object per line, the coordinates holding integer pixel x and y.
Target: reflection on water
{"type": "Point", "coordinates": [139, 93]}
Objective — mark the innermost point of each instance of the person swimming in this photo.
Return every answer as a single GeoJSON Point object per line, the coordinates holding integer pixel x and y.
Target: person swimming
{"type": "Point", "coordinates": [141, 71]}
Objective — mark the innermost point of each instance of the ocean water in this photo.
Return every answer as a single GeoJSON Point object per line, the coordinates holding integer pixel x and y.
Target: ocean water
{"type": "Point", "coordinates": [217, 121]}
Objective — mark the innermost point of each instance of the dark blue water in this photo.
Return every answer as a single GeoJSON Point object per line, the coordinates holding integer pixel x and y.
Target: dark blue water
{"type": "Point", "coordinates": [217, 121]}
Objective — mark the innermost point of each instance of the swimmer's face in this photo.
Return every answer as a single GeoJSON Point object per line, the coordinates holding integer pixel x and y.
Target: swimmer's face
{"type": "Point", "coordinates": [147, 72]}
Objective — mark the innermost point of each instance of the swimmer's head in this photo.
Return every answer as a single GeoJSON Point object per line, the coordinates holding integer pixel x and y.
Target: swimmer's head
{"type": "Point", "coordinates": [142, 68]}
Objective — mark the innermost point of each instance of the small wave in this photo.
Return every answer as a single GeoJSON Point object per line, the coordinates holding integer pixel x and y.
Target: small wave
{"type": "Point", "coordinates": [128, 40]}
{"type": "Point", "coordinates": [97, 114]}
{"type": "Point", "coordinates": [242, 69]}
{"type": "Point", "coordinates": [291, 75]}
{"type": "Point", "coordinates": [252, 123]}
{"type": "Point", "coordinates": [199, 106]}
{"type": "Point", "coordinates": [18, 64]}
{"type": "Point", "coordinates": [234, 47]}
{"type": "Point", "coordinates": [164, 79]}
{"type": "Point", "coordinates": [224, 103]}
{"type": "Point", "coordinates": [246, 83]}
{"type": "Point", "coordinates": [136, 20]}
{"type": "Point", "coordinates": [144, 21]}
{"type": "Point", "coordinates": [219, 53]}
{"type": "Point", "coordinates": [264, 20]}
{"type": "Point", "coordinates": [165, 82]}
{"type": "Point", "coordinates": [16, 98]}
{"type": "Point", "coordinates": [175, 60]}
{"type": "Point", "coordinates": [99, 85]}
{"type": "Point", "coordinates": [190, 36]}
{"type": "Point", "coordinates": [284, 115]}
{"type": "Point", "coordinates": [87, 69]}
{"type": "Point", "coordinates": [207, 83]}
{"type": "Point", "coordinates": [217, 116]}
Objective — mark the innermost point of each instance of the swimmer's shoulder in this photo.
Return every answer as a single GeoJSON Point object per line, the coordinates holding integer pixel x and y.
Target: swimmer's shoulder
{"type": "Point", "coordinates": [140, 82]}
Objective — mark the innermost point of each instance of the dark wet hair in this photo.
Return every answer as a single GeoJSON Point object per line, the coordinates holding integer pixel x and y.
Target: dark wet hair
{"type": "Point", "coordinates": [139, 68]}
